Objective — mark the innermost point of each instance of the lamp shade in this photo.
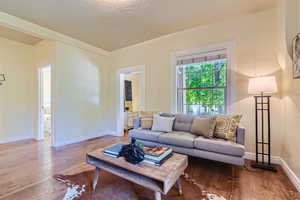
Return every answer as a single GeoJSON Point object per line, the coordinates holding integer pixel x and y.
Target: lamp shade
{"type": "Point", "coordinates": [265, 84]}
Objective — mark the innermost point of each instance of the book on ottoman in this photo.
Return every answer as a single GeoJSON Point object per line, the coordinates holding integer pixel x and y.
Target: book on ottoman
{"type": "Point", "coordinates": [157, 163]}
{"type": "Point", "coordinates": [113, 151]}
{"type": "Point", "coordinates": [157, 155]}
{"type": "Point", "coordinates": [153, 155]}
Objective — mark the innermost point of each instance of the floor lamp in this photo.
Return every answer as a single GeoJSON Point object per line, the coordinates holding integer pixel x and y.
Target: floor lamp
{"type": "Point", "coordinates": [260, 87]}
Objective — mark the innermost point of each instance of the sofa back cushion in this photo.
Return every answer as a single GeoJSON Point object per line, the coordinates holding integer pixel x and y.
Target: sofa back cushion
{"type": "Point", "coordinates": [167, 114]}
{"type": "Point", "coordinates": [183, 122]}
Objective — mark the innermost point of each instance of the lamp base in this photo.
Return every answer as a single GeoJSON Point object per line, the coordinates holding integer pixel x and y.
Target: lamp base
{"type": "Point", "coordinates": [263, 166]}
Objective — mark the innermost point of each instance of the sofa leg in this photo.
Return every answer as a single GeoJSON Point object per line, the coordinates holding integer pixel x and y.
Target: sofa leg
{"type": "Point", "coordinates": [235, 171]}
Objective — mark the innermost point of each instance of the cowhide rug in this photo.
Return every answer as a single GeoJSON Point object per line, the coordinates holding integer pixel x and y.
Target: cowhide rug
{"type": "Point", "coordinates": [110, 187]}
{"type": "Point", "coordinates": [197, 183]}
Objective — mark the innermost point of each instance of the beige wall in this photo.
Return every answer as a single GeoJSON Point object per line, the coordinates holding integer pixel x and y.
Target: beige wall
{"type": "Point", "coordinates": [80, 91]}
{"type": "Point", "coordinates": [16, 114]}
{"type": "Point", "coordinates": [289, 26]}
{"type": "Point", "coordinates": [256, 44]}
{"type": "Point", "coordinates": [136, 90]}
{"type": "Point", "coordinates": [81, 106]}
{"type": "Point", "coordinates": [81, 103]}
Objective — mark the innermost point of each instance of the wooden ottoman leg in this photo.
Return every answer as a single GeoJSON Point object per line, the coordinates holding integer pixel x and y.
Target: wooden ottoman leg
{"type": "Point", "coordinates": [96, 177]}
{"type": "Point", "coordinates": [179, 186]}
{"type": "Point", "coordinates": [157, 196]}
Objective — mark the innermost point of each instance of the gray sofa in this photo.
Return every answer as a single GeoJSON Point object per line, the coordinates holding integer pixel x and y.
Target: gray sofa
{"type": "Point", "coordinates": [181, 140]}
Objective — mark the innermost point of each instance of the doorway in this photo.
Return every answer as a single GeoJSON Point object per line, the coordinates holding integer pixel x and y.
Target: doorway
{"type": "Point", "coordinates": [130, 96]}
{"type": "Point", "coordinates": [44, 105]}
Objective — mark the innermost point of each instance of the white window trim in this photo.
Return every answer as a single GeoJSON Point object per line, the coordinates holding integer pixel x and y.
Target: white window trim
{"type": "Point", "coordinates": [231, 70]}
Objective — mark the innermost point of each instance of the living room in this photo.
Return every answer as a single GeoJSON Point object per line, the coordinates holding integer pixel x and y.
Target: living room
{"type": "Point", "coordinates": [88, 52]}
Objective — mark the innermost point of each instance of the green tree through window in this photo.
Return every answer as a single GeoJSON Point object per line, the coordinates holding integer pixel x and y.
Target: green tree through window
{"type": "Point", "coordinates": [202, 87]}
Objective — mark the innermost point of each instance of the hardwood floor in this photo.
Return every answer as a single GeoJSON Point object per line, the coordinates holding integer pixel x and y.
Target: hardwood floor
{"type": "Point", "coordinates": [27, 167]}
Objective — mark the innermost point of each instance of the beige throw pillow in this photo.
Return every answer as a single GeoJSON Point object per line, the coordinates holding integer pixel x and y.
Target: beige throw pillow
{"type": "Point", "coordinates": [147, 114]}
{"type": "Point", "coordinates": [204, 126]}
{"type": "Point", "coordinates": [146, 123]}
{"type": "Point", "coordinates": [226, 126]}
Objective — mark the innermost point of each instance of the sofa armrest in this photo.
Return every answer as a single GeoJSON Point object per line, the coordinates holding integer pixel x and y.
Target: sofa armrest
{"type": "Point", "coordinates": [137, 122]}
{"type": "Point", "coordinates": [240, 135]}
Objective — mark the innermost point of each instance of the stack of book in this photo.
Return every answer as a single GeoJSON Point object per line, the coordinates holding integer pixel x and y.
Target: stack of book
{"type": "Point", "coordinates": [157, 155]}
{"type": "Point", "coordinates": [113, 151]}
{"type": "Point", "coordinates": [153, 155]}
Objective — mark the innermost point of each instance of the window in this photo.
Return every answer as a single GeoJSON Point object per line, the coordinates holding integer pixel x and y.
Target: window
{"type": "Point", "coordinates": [202, 83]}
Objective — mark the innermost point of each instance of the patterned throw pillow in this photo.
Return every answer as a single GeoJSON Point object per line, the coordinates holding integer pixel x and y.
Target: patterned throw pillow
{"type": "Point", "coordinates": [226, 126]}
{"type": "Point", "coordinates": [204, 126]}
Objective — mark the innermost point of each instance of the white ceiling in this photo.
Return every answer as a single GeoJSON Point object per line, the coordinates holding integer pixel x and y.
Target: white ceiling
{"type": "Point", "coordinates": [18, 36]}
{"type": "Point", "coordinates": [113, 24]}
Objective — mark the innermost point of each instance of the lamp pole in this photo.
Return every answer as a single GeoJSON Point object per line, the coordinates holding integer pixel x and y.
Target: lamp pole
{"type": "Point", "coordinates": [262, 104]}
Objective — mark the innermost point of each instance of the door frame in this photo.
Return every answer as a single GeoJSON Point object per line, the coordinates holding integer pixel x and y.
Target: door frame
{"type": "Point", "coordinates": [40, 121]}
{"type": "Point", "coordinates": [120, 93]}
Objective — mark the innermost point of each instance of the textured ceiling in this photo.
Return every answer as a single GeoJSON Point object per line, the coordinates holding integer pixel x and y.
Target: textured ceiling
{"type": "Point", "coordinates": [18, 36]}
{"type": "Point", "coordinates": [113, 24]}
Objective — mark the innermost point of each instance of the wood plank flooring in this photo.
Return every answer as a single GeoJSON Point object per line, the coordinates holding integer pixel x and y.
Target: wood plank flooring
{"type": "Point", "coordinates": [27, 167]}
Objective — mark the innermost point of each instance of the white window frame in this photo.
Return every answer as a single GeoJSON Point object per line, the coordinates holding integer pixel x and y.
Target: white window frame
{"type": "Point", "coordinates": [231, 70]}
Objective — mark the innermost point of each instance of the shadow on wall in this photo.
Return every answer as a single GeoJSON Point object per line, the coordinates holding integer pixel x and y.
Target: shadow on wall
{"type": "Point", "coordinates": [102, 98]}
{"type": "Point", "coordinates": [243, 103]}
{"type": "Point", "coordinates": [242, 80]}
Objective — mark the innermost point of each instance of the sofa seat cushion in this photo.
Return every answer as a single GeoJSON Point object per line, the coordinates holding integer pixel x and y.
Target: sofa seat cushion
{"type": "Point", "coordinates": [144, 134]}
{"type": "Point", "coordinates": [178, 138]}
{"type": "Point", "coordinates": [219, 146]}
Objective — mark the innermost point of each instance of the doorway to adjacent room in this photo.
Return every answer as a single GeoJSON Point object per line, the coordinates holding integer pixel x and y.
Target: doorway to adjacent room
{"type": "Point", "coordinates": [130, 97]}
{"type": "Point", "coordinates": [44, 105]}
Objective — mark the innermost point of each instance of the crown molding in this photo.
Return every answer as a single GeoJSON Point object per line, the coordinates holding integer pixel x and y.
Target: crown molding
{"type": "Point", "coordinates": [24, 26]}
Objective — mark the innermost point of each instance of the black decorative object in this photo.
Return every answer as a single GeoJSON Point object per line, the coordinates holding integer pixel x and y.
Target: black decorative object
{"type": "Point", "coordinates": [296, 57]}
{"type": "Point", "coordinates": [132, 153]}
{"type": "Point", "coordinates": [2, 78]}
{"type": "Point", "coordinates": [128, 90]}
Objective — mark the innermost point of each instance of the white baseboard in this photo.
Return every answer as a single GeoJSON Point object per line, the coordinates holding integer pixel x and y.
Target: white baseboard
{"type": "Point", "coordinates": [274, 159]}
{"type": "Point", "coordinates": [81, 139]}
{"type": "Point", "coordinates": [278, 160]}
{"type": "Point", "coordinates": [109, 132]}
{"type": "Point", "coordinates": [292, 176]}
{"type": "Point", "coordinates": [15, 139]}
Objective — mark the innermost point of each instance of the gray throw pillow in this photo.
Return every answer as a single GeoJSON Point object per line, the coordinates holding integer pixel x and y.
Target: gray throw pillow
{"type": "Point", "coordinates": [204, 126]}
{"type": "Point", "coordinates": [166, 115]}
